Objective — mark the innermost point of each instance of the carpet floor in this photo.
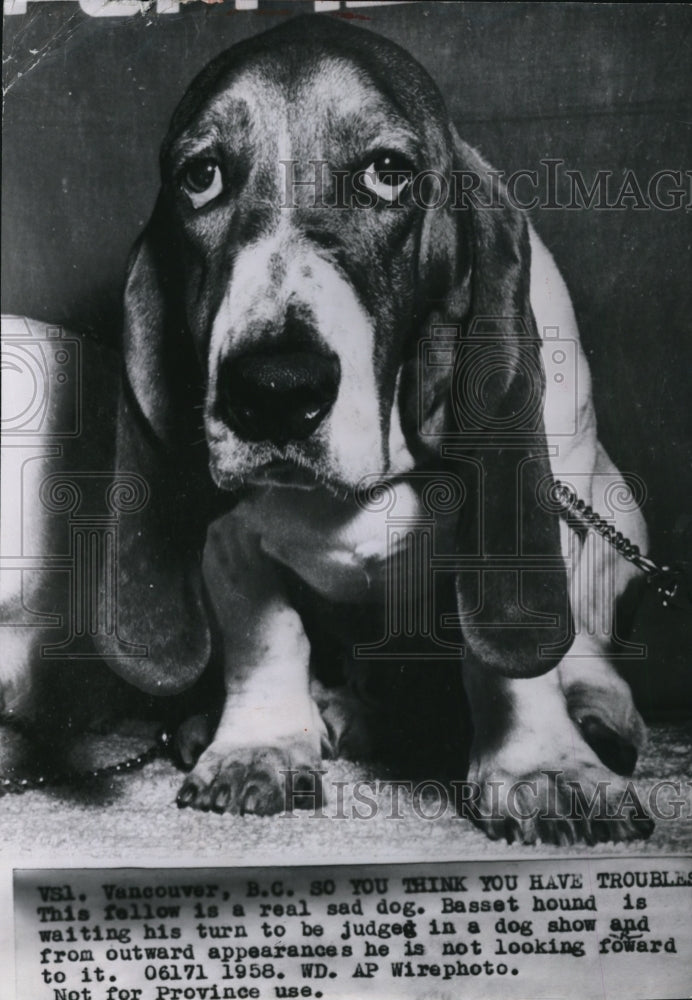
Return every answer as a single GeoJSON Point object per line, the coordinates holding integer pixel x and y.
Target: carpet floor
{"type": "Point", "coordinates": [135, 814]}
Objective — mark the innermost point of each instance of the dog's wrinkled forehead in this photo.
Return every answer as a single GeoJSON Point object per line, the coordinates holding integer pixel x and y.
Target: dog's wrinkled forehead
{"type": "Point", "coordinates": [331, 88]}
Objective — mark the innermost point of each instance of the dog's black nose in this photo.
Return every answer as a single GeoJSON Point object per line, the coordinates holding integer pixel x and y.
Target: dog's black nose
{"type": "Point", "coordinates": [277, 396]}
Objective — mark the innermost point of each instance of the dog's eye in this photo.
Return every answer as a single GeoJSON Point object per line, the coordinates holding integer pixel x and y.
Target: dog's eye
{"type": "Point", "coordinates": [387, 175]}
{"type": "Point", "coordinates": [201, 181]}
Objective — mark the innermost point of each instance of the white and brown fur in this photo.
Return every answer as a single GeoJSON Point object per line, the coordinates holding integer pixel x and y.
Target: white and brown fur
{"type": "Point", "coordinates": [215, 281]}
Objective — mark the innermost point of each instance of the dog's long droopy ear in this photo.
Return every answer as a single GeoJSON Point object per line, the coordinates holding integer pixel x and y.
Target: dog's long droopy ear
{"type": "Point", "coordinates": [160, 639]}
{"type": "Point", "coordinates": [481, 403]}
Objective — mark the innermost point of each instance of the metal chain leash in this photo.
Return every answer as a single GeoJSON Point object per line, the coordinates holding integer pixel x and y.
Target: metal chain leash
{"type": "Point", "coordinates": [669, 582]}
{"type": "Point", "coordinates": [17, 786]}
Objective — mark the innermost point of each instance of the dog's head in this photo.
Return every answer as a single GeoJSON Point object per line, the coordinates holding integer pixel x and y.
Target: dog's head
{"type": "Point", "coordinates": [308, 236]}
{"type": "Point", "coordinates": [288, 207]}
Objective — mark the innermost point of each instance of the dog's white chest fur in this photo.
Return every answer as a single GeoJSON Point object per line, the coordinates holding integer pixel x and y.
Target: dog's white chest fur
{"type": "Point", "coordinates": [341, 550]}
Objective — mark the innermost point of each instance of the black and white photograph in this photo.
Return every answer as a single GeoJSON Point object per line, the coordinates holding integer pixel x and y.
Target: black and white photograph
{"type": "Point", "coordinates": [346, 579]}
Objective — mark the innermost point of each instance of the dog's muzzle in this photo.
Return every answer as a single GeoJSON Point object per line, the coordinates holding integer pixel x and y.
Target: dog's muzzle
{"type": "Point", "coordinates": [277, 396]}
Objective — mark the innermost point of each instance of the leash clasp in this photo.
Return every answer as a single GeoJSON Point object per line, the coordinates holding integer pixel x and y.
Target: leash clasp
{"type": "Point", "coordinates": [672, 587]}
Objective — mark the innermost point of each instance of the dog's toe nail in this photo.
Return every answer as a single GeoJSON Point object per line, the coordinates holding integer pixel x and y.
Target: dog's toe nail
{"type": "Point", "coordinates": [307, 790]}
{"type": "Point", "coordinates": [303, 782]}
{"type": "Point", "coordinates": [329, 742]}
{"type": "Point", "coordinates": [251, 800]}
{"type": "Point", "coordinates": [585, 832]}
{"type": "Point", "coordinates": [510, 831]}
{"type": "Point", "coordinates": [204, 800]}
{"type": "Point", "coordinates": [221, 798]}
{"type": "Point", "coordinates": [186, 795]}
{"type": "Point", "coordinates": [565, 834]}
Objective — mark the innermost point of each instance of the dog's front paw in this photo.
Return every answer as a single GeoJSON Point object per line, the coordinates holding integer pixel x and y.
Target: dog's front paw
{"type": "Point", "coordinates": [584, 804]}
{"type": "Point", "coordinates": [260, 780]}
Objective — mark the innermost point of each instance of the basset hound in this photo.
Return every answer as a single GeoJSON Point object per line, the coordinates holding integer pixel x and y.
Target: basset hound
{"type": "Point", "coordinates": [340, 402]}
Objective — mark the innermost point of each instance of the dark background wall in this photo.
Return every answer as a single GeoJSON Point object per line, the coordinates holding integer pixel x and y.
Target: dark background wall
{"type": "Point", "coordinates": [600, 87]}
